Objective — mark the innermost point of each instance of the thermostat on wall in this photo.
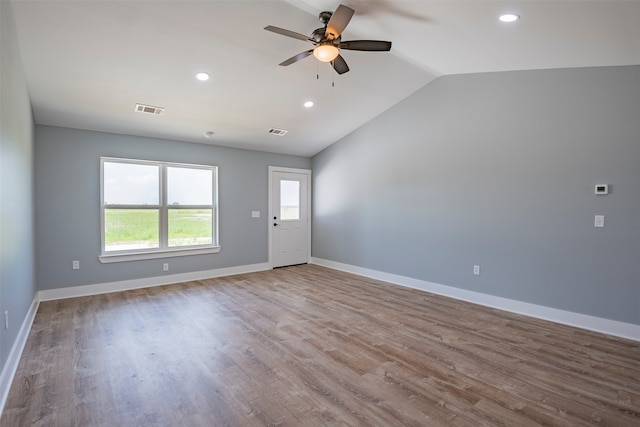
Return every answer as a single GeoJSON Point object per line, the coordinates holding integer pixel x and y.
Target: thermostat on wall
{"type": "Point", "coordinates": [602, 189]}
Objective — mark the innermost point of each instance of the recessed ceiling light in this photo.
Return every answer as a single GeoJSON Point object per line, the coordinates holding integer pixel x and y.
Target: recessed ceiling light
{"type": "Point", "coordinates": [509, 17]}
{"type": "Point", "coordinates": [308, 104]}
{"type": "Point", "coordinates": [202, 77]}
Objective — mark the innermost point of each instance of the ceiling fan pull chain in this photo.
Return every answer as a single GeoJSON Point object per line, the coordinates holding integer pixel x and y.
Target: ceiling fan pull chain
{"type": "Point", "coordinates": [333, 77]}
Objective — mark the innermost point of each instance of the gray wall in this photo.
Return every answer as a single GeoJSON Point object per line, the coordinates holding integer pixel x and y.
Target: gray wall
{"type": "Point", "coordinates": [17, 277]}
{"type": "Point", "coordinates": [498, 170]}
{"type": "Point", "coordinates": [67, 188]}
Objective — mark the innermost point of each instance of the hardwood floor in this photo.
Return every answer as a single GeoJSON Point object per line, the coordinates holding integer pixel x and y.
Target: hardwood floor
{"type": "Point", "coordinates": [309, 346]}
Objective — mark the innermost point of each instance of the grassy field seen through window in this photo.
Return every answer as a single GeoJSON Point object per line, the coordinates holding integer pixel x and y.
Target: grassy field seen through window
{"type": "Point", "coordinates": [127, 229]}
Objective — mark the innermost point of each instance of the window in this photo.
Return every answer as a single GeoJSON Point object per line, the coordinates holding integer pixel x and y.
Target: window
{"type": "Point", "coordinates": [156, 209]}
{"type": "Point", "coordinates": [289, 200]}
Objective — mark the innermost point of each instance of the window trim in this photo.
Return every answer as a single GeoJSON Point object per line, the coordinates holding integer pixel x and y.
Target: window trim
{"type": "Point", "coordinates": [164, 250]}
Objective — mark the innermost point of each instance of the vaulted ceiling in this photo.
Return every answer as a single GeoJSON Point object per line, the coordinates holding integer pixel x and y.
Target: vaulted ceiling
{"type": "Point", "coordinates": [88, 63]}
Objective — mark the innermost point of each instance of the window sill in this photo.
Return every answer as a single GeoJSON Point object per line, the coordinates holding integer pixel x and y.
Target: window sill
{"type": "Point", "coordinates": [169, 253]}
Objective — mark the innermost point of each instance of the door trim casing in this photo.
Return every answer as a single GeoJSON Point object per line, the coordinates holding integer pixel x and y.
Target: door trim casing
{"type": "Point", "coordinates": [307, 172]}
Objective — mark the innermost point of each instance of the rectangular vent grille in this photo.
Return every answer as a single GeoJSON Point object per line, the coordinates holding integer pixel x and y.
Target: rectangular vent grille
{"type": "Point", "coordinates": [278, 132]}
{"type": "Point", "coordinates": [141, 108]}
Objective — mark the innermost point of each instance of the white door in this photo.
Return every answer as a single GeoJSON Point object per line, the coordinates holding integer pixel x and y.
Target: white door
{"type": "Point", "coordinates": [289, 216]}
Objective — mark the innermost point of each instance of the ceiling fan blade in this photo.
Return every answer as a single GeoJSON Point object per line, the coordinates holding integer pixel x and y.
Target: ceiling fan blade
{"type": "Point", "coordinates": [338, 22]}
{"type": "Point", "coordinates": [369, 45]}
{"type": "Point", "coordinates": [340, 65]}
{"type": "Point", "coordinates": [296, 58]}
{"type": "Point", "coordinates": [287, 33]}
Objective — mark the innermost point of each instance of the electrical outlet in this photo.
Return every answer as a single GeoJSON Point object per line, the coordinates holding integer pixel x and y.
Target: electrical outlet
{"type": "Point", "coordinates": [75, 265]}
{"type": "Point", "coordinates": [476, 270]}
{"type": "Point", "coordinates": [6, 319]}
{"type": "Point", "coordinates": [165, 266]}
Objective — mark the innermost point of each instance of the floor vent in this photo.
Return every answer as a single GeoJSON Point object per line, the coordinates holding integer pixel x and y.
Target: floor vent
{"type": "Point", "coordinates": [141, 108]}
{"type": "Point", "coordinates": [278, 132]}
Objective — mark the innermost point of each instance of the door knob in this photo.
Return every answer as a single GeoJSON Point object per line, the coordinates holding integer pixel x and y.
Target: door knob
{"type": "Point", "coordinates": [275, 224]}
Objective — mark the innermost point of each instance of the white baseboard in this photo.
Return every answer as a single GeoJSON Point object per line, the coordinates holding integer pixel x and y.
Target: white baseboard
{"type": "Point", "coordinates": [125, 285]}
{"type": "Point", "coordinates": [9, 370]}
{"type": "Point", "coordinates": [583, 321]}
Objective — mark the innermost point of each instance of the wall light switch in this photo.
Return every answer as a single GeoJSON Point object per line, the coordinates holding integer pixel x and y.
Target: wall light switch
{"type": "Point", "coordinates": [75, 265]}
{"type": "Point", "coordinates": [255, 214]}
{"type": "Point", "coordinates": [598, 221]}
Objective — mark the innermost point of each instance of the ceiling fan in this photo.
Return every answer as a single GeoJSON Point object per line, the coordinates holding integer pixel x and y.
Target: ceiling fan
{"type": "Point", "coordinates": [327, 40]}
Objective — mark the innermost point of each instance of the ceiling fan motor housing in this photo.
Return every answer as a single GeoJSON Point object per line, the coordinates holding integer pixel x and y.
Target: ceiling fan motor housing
{"type": "Point", "coordinates": [318, 35]}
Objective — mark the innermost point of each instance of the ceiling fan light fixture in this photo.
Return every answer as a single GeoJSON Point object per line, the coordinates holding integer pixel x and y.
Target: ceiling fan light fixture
{"type": "Point", "coordinates": [326, 52]}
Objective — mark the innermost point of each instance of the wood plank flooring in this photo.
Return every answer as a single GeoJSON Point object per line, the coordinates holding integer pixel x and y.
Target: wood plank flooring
{"type": "Point", "coordinates": [310, 346]}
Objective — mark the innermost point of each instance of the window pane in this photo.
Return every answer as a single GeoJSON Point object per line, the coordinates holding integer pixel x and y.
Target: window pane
{"type": "Point", "coordinates": [289, 199]}
{"type": "Point", "coordinates": [186, 186]}
{"type": "Point", "coordinates": [188, 227]}
{"type": "Point", "coordinates": [131, 184]}
{"type": "Point", "coordinates": [127, 229]}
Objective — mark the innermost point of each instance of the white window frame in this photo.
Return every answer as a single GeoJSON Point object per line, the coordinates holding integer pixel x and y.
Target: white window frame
{"type": "Point", "coordinates": [164, 250]}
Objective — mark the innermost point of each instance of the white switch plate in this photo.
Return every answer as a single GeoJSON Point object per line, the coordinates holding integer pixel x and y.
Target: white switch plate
{"type": "Point", "coordinates": [476, 270]}
{"type": "Point", "coordinates": [598, 221]}
{"type": "Point", "coordinates": [165, 266]}
{"type": "Point", "coordinates": [255, 214]}
{"type": "Point", "coordinates": [75, 265]}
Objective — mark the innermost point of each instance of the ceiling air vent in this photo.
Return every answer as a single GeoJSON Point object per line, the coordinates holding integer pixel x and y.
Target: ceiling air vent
{"type": "Point", "coordinates": [278, 132]}
{"type": "Point", "coordinates": [141, 108]}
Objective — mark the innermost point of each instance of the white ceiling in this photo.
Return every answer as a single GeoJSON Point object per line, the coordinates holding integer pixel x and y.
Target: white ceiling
{"type": "Point", "coordinates": [89, 62]}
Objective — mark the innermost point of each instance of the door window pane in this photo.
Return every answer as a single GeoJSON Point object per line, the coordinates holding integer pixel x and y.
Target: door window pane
{"type": "Point", "coordinates": [131, 184]}
{"type": "Point", "coordinates": [128, 229]}
{"type": "Point", "coordinates": [289, 200]}
{"type": "Point", "coordinates": [188, 227]}
{"type": "Point", "coordinates": [189, 186]}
